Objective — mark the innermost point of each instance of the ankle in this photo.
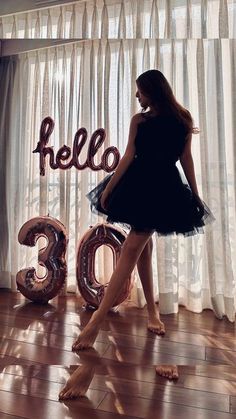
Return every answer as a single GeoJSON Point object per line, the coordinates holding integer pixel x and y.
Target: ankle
{"type": "Point", "coordinates": [96, 319]}
{"type": "Point", "coordinates": [152, 311]}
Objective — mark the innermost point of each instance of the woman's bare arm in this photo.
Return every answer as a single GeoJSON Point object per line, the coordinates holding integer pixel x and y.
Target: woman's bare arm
{"type": "Point", "coordinates": [186, 161]}
{"type": "Point", "coordinates": [128, 155]}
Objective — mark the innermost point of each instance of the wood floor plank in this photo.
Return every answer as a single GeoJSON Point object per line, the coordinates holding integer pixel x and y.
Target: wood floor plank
{"type": "Point", "coordinates": [224, 372]}
{"type": "Point", "coordinates": [142, 357]}
{"type": "Point", "coordinates": [202, 340]}
{"type": "Point", "coordinates": [233, 405]}
{"type": "Point", "coordinates": [6, 360]}
{"type": "Point", "coordinates": [215, 385]}
{"type": "Point", "coordinates": [143, 408]}
{"type": "Point", "coordinates": [221, 356]}
{"type": "Point", "coordinates": [68, 330]}
{"type": "Point", "coordinates": [74, 304]}
{"type": "Point", "coordinates": [206, 318]}
{"type": "Point", "coordinates": [201, 322]}
{"type": "Point", "coordinates": [41, 354]}
{"type": "Point", "coordinates": [36, 359]}
{"type": "Point", "coordinates": [136, 325]}
{"type": "Point", "coordinates": [159, 344]}
{"type": "Point", "coordinates": [166, 391]}
{"type": "Point", "coordinates": [43, 389]}
{"type": "Point", "coordinates": [146, 374]}
{"type": "Point", "coordinates": [26, 406]}
{"type": "Point", "coordinates": [43, 339]}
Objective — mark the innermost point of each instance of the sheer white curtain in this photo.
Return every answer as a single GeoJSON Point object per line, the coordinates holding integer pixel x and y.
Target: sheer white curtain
{"type": "Point", "coordinates": [92, 84]}
{"type": "Point", "coordinates": [125, 19]}
{"type": "Point", "coordinates": [7, 72]}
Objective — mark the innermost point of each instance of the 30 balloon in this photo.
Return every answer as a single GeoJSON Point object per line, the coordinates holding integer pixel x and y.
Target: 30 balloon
{"type": "Point", "coordinates": [52, 257]}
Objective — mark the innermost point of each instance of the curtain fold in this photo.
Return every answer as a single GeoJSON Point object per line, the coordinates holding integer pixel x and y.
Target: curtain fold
{"type": "Point", "coordinates": [78, 85]}
{"type": "Point", "coordinates": [7, 75]}
{"type": "Point", "coordinates": [126, 19]}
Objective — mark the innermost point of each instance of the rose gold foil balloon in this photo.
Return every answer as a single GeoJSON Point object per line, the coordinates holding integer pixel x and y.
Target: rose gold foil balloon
{"type": "Point", "coordinates": [65, 153]}
{"type": "Point", "coordinates": [52, 257]}
{"type": "Point", "coordinates": [110, 150]}
{"type": "Point", "coordinates": [46, 130]}
{"type": "Point", "coordinates": [91, 290]}
{"type": "Point", "coordinates": [79, 142]}
{"type": "Point", "coordinates": [96, 142]}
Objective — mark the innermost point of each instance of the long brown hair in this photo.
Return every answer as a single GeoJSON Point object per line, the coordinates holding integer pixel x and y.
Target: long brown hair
{"type": "Point", "coordinates": [154, 85]}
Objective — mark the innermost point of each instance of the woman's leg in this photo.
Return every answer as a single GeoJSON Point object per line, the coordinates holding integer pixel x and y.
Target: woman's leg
{"type": "Point", "coordinates": [79, 381]}
{"type": "Point", "coordinates": [144, 265]}
{"type": "Point", "coordinates": [130, 252]}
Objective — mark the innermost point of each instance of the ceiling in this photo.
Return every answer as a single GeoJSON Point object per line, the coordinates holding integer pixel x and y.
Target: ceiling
{"type": "Point", "coordinates": [17, 46]}
{"type": "Point", "coordinates": [10, 7]}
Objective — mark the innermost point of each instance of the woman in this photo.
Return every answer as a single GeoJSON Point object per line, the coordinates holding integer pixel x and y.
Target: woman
{"type": "Point", "coordinates": [147, 194]}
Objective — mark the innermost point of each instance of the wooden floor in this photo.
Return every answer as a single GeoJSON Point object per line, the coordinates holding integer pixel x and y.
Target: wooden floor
{"type": "Point", "coordinates": [36, 360]}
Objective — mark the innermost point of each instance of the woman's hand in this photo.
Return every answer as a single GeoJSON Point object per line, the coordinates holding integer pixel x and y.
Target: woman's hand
{"type": "Point", "coordinates": [104, 199]}
{"type": "Point", "coordinates": [200, 205]}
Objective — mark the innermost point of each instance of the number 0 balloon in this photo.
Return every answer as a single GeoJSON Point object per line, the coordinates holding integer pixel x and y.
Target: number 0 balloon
{"type": "Point", "coordinates": [91, 290]}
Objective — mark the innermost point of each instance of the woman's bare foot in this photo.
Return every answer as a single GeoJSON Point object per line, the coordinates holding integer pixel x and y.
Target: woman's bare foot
{"type": "Point", "coordinates": [168, 371]}
{"type": "Point", "coordinates": [78, 384]}
{"type": "Point", "coordinates": [87, 337]}
{"type": "Point", "coordinates": [155, 325]}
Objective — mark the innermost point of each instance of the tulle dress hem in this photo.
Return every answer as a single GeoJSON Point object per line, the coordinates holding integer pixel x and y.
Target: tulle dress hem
{"type": "Point", "coordinates": [203, 216]}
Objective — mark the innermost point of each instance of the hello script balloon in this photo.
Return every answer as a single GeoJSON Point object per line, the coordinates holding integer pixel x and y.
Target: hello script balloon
{"type": "Point", "coordinates": [65, 153]}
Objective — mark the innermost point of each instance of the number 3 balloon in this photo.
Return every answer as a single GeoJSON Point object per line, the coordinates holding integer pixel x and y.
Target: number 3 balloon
{"type": "Point", "coordinates": [52, 257]}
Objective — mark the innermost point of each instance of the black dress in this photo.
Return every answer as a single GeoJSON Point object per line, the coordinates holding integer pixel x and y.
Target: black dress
{"type": "Point", "coordinates": [151, 194]}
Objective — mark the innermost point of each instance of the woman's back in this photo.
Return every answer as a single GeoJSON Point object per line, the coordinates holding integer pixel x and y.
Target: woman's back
{"type": "Point", "coordinates": [160, 140]}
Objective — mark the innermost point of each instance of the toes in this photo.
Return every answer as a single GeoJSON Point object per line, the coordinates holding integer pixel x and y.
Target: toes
{"type": "Point", "coordinates": [77, 346]}
{"type": "Point", "coordinates": [70, 394]}
{"type": "Point", "coordinates": [153, 329]}
{"type": "Point", "coordinates": [74, 346]}
{"type": "Point", "coordinates": [175, 374]}
{"type": "Point", "coordinates": [159, 370]}
{"type": "Point", "coordinates": [157, 330]}
{"type": "Point", "coordinates": [162, 329]}
{"type": "Point", "coordinates": [74, 394]}
{"type": "Point", "coordinates": [162, 332]}
{"type": "Point", "coordinates": [168, 372]}
{"type": "Point", "coordinates": [63, 392]}
{"type": "Point", "coordinates": [61, 395]}
{"type": "Point", "coordinates": [80, 347]}
{"type": "Point", "coordinates": [65, 395]}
